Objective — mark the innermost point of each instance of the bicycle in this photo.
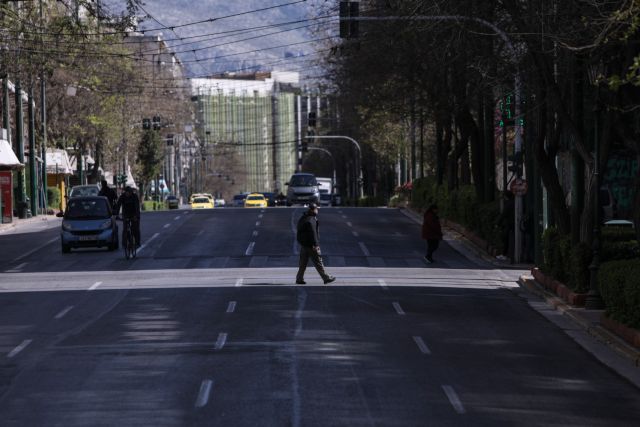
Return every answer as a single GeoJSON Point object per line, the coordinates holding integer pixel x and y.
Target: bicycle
{"type": "Point", "coordinates": [128, 240]}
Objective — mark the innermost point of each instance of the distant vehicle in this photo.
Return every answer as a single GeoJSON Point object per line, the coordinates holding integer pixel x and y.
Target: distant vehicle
{"type": "Point", "coordinates": [325, 199]}
{"type": "Point", "coordinates": [218, 203]}
{"type": "Point", "coordinates": [255, 200]}
{"type": "Point", "coordinates": [238, 200]}
{"type": "Point", "coordinates": [84, 190]}
{"type": "Point", "coordinates": [202, 202]}
{"type": "Point", "coordinates": [325, 185]}
{"type": "Point", "coordinates": [271, 198]}
{"type": "Point", "coordinates": [281, 200]}
{"type": "Point", "coordinates": [88, 222]}
{"type": "Point", "coordinates": [303, 189]}
{"type": "Point", "coordinates": [172, 202]}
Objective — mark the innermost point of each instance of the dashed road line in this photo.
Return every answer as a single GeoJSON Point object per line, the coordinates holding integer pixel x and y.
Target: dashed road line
{"type": "Point", "coordinates": [383, 284]}
{"type": "Point", "coordinates": [47, 243]}
{"type": "Point", "coordinates": [260, 216]}
{"type": "Point", "coordinates": [239, 282]}
{"type": "Point", "coordinates": [222, 339]}
{"type": "Point", "coordinates": [257, 223]}
{"type": "Point", "coordinates": [355, 234]}
{"type": "Point", "coordinates": [147, 242]}
{"type": "Point", "coordinates": [349, 224]}
{"type": "Point", "coordinates": [231, 307]}
{"type": "Point", "coordinates": [344, 216]}
{"type": "Point", "coordinates": [365, 251]}
{"type": "Point", "coordinates": [249, 250]}
{"type": "Point", "coordinates": [63, 312]}
{"type": "Point", "coordinates": [19, 348]}
{"type": "Point", "coordinates": [95, 286]}
{"type": "Point", "coordinates": [255, 233]}
{"type": "Point", "coordinates": [176, 218]}
{"type": "Point", "coordinates": [421, 345]}
{"type": "Point", "coordinates": [398, 309]}
{"type": "Point", "coordinates": [17, 268]}
{"type": "Point", "coordinates": [167, 225]}
{"type": "Point", "coordinates": [453, 399]}
{"type": "Point", "coordinates": [203, 394]}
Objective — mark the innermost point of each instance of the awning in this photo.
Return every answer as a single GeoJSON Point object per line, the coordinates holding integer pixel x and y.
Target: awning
{"type": "Point", "coordinates": [58, 162]}
{"type": "Point", "coordinates": [8, 159]}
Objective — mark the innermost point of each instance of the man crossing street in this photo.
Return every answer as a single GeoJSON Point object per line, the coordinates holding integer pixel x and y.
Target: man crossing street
{"type": "Point", "coordinates": [308, 237]}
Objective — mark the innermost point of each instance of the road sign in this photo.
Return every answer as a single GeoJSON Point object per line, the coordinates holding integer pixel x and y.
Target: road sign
{"type": "Point", "coordinates": [519, 187]}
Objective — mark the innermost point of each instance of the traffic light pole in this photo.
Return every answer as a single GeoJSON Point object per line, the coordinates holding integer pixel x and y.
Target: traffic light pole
{"type": "Point", "coordinates": [360, 181]}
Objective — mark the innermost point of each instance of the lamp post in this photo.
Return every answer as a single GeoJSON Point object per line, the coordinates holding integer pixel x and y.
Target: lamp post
{"type": "Point", "coordinates": [594, 300]}
{"type": "Point", "coordinates": [333, 161]}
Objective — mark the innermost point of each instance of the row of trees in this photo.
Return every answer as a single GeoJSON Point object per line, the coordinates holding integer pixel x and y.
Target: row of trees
{"type": "Point", "coordinates": [99, 85]}
{"type": "Point", "coordinates": [424, 81]}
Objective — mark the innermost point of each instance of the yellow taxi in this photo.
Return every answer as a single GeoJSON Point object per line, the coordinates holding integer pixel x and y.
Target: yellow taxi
{"type": "Point", "coordinates": [201, 202]}
{"type": "Point", "coordinates": [255, 200]}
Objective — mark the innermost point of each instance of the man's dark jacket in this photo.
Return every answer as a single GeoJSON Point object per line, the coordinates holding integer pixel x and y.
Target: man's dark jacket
{"type": "Point", "coordinates": [308, 230]}
{"type": "Point", "coordinates": [110, 194]}
{"type": "Point", "coordinates": [130, 206]}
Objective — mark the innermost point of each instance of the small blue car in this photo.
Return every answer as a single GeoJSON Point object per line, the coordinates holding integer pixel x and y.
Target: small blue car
{"type": "Point", "coordinates": [88, 222]}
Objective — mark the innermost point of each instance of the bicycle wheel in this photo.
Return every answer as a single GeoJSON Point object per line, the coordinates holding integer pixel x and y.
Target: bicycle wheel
{"type": "Point", "coordinates": [127, 244]}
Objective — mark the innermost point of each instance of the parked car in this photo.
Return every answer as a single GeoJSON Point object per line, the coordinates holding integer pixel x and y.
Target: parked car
{"type": "Point", "coordinates": [202, 202]}
{"type": "Point", "coordinates": [84, 190]}
{"type": "Point", "coordinates": [238, 200]}
{"type": "Point", "coordinates": [172, 202]}
{"type": "Point", "coordinates": [88, 222]}
{"type": "Point", "coordinates": [303, 189]}
{"type": "Point", "coordinates": [255, 200]}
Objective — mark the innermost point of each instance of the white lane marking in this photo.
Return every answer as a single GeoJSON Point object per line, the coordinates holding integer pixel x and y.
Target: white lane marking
{"type": "Point", "coordinates": [453, 399]}
{"type": "Point", "coordinates": [349, 224]}
{"type": "Point", "coordinates": [222, 339]}
{"type": "Point", "coordinates": [95, 286]}
{"type": "Point", "coordinates": [399, 309]}
{"type": "Point", "coordinates": [17, 268]}
{"type": "Point", "coordinates": [19, 348]}
{"type": "Point", "coordinates": [261, 210]}
{"type": "Point", "coordinates": [167, 225]}
{"type": "Point", "coordinates": [231, 307]}
{"type": "Point", "coordinates": [239, 282]}
{"type": "Point", "coordinates": [203, 394]}
{"type": "Point", "coordinates": [260, 216]}
{"type": "Point", "coordinates": [47, 243]}
{"type": "Point", "coordinates": [148, 241]}
{"type": "Point", "coordinates": [176, 218]}
{"type": "Point", "coordinates": [365, 251]}
{"type": "Point", "coordinates": [383, 284]}
{"type": "Point", "coordinates": [355, 234]}
{"type": "Point", "coordinates": [422, 345]}
{"type": "Point", "coordinates": [257, 223]}
{"type": "Point", "coordinates": [344, 216]}
{"type": "Point", "coordinates": [255, 233]}
{"type": "Point", "coordinates": [185, 212]}
{"type": "Point", "coordinates": [249, 250]}
{"type": "Point", "coordinates": [200, 232]}
{"type": "Point", "coordinates": [63, 312]}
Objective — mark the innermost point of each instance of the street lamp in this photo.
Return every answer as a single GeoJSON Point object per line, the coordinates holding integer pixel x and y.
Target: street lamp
{"type": "Point", "coordinates": [594, 300]}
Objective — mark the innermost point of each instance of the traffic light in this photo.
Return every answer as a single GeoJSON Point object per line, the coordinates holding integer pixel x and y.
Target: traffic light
{"type": "Point", "coordinates": [349, 26]}
{"type": "Point", "coordinates": [304, 146]}
{"type": "Point", "coordinates": [169, 139]}
{"type": "Point", "coordinates": [312, 119]}
{"type": "Point", "coordinates": [156, 122]}
{"type": "Point", "coordinates": [146, 124]}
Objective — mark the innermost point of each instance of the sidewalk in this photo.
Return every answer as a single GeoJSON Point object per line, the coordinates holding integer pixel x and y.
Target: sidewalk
{"type": "Point", "coordinates": [29, 225]}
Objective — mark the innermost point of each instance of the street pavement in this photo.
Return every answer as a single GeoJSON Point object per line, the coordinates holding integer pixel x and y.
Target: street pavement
{"type": "Point", "coordinates": [206, 327]}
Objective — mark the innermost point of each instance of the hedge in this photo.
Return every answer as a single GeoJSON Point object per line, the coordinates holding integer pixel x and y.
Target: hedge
{"type": "Point", "coordinates": [461, 206]}
{"type": "Point", "coordinates": [371, 201]}
{"type": "Point", "coordinates": [619, 284]}
{"type": "Point", "coordinates": [53, 197]}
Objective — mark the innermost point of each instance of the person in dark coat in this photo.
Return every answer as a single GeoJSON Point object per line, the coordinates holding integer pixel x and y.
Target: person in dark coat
{"type": "Point", "coordinates": [431, 231]}
{"type": "Point", "coordinates": [308, 232]}
{"type": "Point", "coordinates": [109, 193]}
{"type": "Point", "coordinates": [130, 210]}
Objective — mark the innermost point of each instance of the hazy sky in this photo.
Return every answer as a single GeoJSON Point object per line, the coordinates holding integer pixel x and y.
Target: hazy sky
{"type": "Point", "coordinates": [232, 43]}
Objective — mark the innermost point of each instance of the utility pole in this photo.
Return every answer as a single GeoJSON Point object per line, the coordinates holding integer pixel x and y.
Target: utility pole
{"type": "Point", "coordinates": [22, 196]}
{"type": "Point", "coordinates": [33, 154]}
{"type": "Point", "coordinates": [359, 163]}
{"type": "Point", "coordinates": [43, 117]}
{"type": "Point", "coordinates": [299, 142]}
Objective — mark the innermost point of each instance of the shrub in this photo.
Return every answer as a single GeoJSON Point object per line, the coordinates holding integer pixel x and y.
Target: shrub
{"type": "Point", "coordinates": [580, 259]}
{"type": "Point", "coordinates": [53, 197]}
{"type": "Point", "coordinates": [617, 250]}
{"type": "Point", "coordinates": [618, 234]}
{"type": "Point", "coordinates": [619, 283]}
{"type": "Point", "coordinates": [370, 201]}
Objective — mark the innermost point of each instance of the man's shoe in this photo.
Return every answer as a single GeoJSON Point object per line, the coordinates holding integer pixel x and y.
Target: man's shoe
{"type": "Point", "coordinates": [329, 280]}
{"type": "Point", "coordinates": [300, 282]}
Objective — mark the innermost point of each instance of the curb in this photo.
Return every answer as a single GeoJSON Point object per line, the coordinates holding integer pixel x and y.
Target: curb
{"type": "Point", "coordinates": [596, 330]}
{"type": "Point", "coordinates": [16, 223]}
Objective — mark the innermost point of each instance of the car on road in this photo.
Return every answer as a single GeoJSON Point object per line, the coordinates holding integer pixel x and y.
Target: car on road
{"type": "Point", "coordinates": [303, 189]}
{"type": "Point", "coordinates": [172, 202]}
{"type": "Point", "coordinates": [255, 200]}
{"type": "Point", "coordinates": [325, 199]}
{"type": "Point", "coordinates": [238, 200]}
{"type": "Point", "coordinates": [202, 202]}
{"type": "Point", "coordinates": [271, 198]}
{"type": "Point", "coordinates": [84, 190]}
{"type": "Point", "coordinates": [88, 222]}
{"type": "Point", "coordinates": [218, 203]}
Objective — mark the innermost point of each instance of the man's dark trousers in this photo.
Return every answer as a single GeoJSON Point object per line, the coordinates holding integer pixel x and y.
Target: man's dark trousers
{"type": "Point", "coordinates": [307, 252]}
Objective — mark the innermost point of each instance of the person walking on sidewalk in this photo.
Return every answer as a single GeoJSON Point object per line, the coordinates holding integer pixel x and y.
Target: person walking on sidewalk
{"type": "Point", "coordinates": [308, 238]}
{"type": "Point", "coordinates": [109, 193]}
{"type": "Point", "coordinates": [431, 231]}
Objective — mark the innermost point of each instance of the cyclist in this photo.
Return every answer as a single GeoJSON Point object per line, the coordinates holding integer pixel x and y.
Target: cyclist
{"type": "Point", "coordinates": [130, 210]}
